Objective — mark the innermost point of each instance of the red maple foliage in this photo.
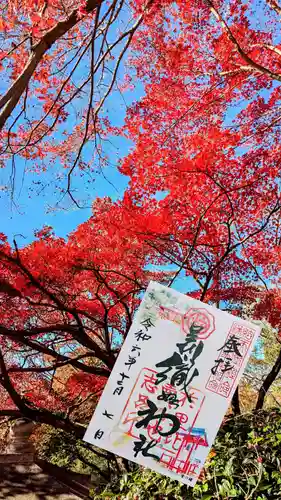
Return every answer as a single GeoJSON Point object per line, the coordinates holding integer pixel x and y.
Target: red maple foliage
{"type": "Point", "coordinates": [67, 304]}
{"type": "Point", "coordinates": [203, 200]}
{"type": "Point", "coordinates": [59, 62]}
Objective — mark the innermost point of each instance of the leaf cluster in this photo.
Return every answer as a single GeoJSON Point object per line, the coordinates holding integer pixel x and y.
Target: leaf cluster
{"type": "Point", "coordinates": [243, 464]}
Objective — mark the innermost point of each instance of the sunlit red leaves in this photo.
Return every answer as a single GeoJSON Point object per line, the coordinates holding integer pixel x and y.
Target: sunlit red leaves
{"type": "Point", "coordinates": [82, 384]}
{"type": "Point", "coordinates": [203, 175]}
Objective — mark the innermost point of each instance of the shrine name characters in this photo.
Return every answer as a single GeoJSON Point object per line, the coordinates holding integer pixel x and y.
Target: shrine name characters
{"type": "Point", "coordinates": [231, 356]}
{"type": "Point", "coordinates": [166, 421]}
{"type": "Point", "coordinates": [180, 364]}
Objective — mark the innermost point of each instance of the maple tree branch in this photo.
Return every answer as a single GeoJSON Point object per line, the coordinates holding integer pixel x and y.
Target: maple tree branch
{"type": "Point", "coordinates": [235, 402]}
{"type": "Point", "coordinates": [92, 73]}
{"type": "Point", "coordinates": [268, 381]}
{"type": "Point", "coordinates": [55, 101]}
{"type": "Point", "coordinates": [39, 347]}
{"type": "Point", "coordinates": [93, 370]}
{"type": "Point", "coordinates": [7, 385]}
{"type": "Point", "coordinates": [250, 262]}
{"type": "Point", "coordinates": [225, 192]}
{"type": "Point", "coordinates": [90, 267]}
{"type": "Point", "coordinates": [192, 246]}
{"type": "Point", "coordinates": [255, 65]}
{"type": "Point", "coordinates": [106, 328]}
{"type": "Point", "coordinates": [129, 33]}
{"type": "Point", "coordinates": [10, 413]}
{"type": "Point", "coordinates": [14, 48]}
{"type": "Point", "coordinates": [241, 69]}
{"type": "Point", "coordinates": [120, 298]}
{"type": "Point", "coordinates": [45, 417]}
{"type": "Point", "coordinates": [211, 272]}
{"type": "Point", "coordinates": [78, 90]}
{"type": "Point", "coordinates": [37, 415]}
{"type": "Point", "coordinates": [119, 60]}
{"type": "Point", "coordinates": [31, 141]}
{"type": "Point", "coordinates": [272, 48]}
{"type": "Point", "coordinates": [262, 129]}
{"type": "Point", "coordinates": [11, 98]}
{"type": "Point", "coordinates": [53, 307]}
{"type": "Point", "coordinates": [81, 336]}
{"type": "Point", "coordinates": [275, 6]}
{"type": "Point", "coordinates": [272, 212]}
{"type": "Point", "coordinates": [230, 248]}
{"type": "Point", "coordinates": [38, 329]}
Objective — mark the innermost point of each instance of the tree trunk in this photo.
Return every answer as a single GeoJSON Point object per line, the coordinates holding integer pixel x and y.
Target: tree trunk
{"type": "Point", "coordinates": [268, 381]}
{"type": "Point", "coordinates": [235, 403]}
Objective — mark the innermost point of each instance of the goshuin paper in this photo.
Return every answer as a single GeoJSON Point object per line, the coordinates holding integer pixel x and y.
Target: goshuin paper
{"type": "Point", "coordinates": [172, 383]}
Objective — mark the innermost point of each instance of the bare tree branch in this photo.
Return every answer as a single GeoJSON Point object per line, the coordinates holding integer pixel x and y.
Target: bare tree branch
{"type": "Point", "coordinates": [255, 65]}
{"type": "Point", "coordinates": [11, 98]}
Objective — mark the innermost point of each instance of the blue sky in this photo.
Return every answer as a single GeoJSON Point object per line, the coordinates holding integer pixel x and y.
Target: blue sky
{"type": "Point", "coordinates": [31, 213]}
{"type": "Point", "coordinates": [32, 210]}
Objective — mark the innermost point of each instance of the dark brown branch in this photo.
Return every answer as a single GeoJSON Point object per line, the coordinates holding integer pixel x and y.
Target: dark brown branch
{"type": "Point", "coordinates": [230, 248]}
{"type": "Point", "coordinates": [11, 98]}
{"type": "Point", "coordinates": [36, 415]}
{"type": "Point", "coordinates": [46, 418]}
{"type": "Point", "coordinates": [93, 466]}
{"type": "Point", "coordinates": [235, 403]}
{"type": "Point", "coordinates": [275, 6]}
{"type": "Point", "coordinates": [256, 66]}
{"type": "Point", "coordinates": [129, 33]}
{"type": "Point", "coordinates": [37, 330]}
{"type": "Point", "coordinates": [81, 336]}
{"type": "Point", "coordinates": [268, 381]}
{"type": "Point", "coordinates": [94, 370]}
{"type": "Point", "coordinates": [36, 346]}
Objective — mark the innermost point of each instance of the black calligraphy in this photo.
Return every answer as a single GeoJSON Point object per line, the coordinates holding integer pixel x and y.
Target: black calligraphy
{"type": "Point", "coordinates": [140, 335]}
{"type": "Point", "coordinates": [131, 361]}
{"type": "Point", "coordinates": [147, 323]}
{"type": "Point", "coordinates": [231, 346]}
{"type": "Point", "coordinates": [169, 397]}
{"type": "Point", "coordinates": [108, 415]}
{"type": "Point", "coordinates": [99, 434]}
{"type": "Point", "coordinates": [120, 387]}
{"type": "Point", "coordinates": [144, 447]}
{"type": "Point", "coordinates": [181, 364]}
{"type": "Point", "coordinates": [136, 348]}
{"type": "Point", "coordinates": [225, 364]}
{"type": "Point", "coordinates": [150, 414]}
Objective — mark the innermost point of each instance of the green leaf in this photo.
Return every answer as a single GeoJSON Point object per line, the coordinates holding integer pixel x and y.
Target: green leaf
{"type": "Point", "coordinates": [251, 480]}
